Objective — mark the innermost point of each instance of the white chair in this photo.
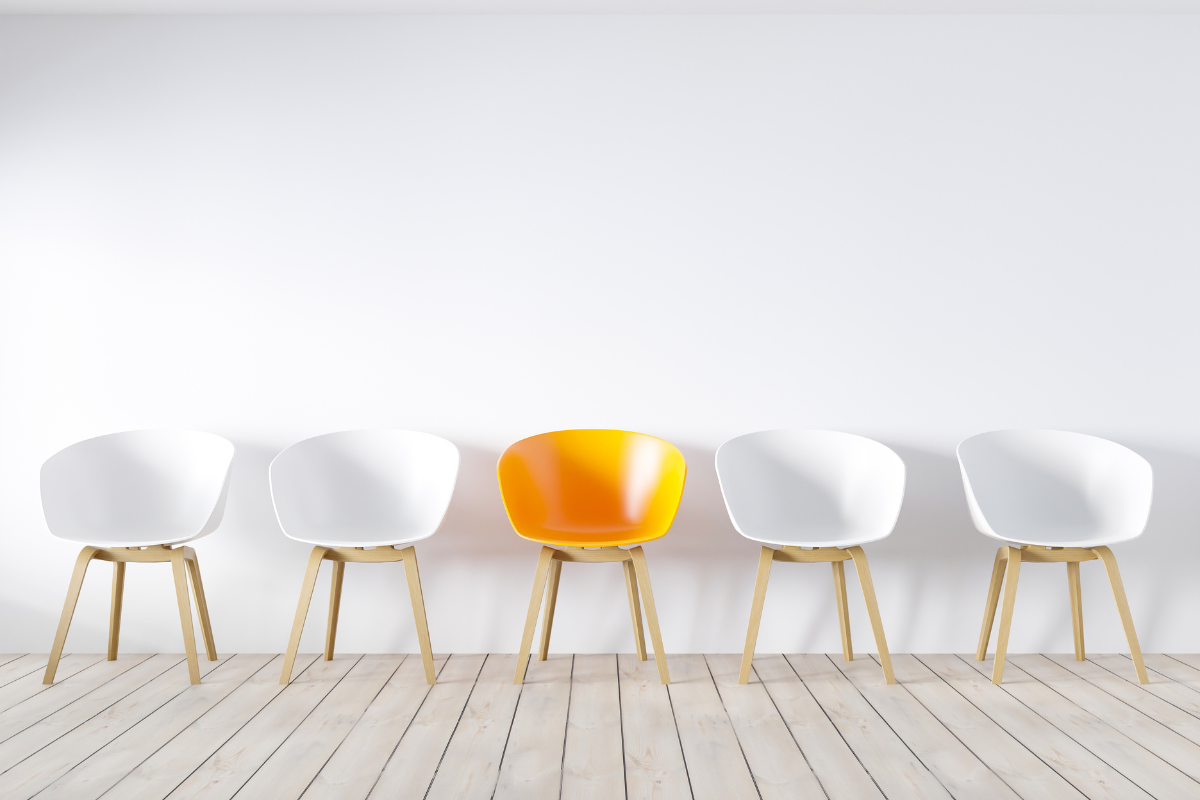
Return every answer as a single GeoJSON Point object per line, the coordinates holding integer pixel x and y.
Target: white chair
{"type": "Point", "coordinates": [1054, 497]}
{"type": "Point", "coordinates": [824, 490]}
{"type": "Point", "coordinates": [349, 491]}
{"type": "Point", "coordinates": [138, 496]}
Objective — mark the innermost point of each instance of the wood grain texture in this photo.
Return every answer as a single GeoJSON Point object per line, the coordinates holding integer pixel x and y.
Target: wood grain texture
{"type": "Point", "coordinates": [533, 759]}
{"type": "Point", "coordinates": [716, 766]}
{"type": "Point", "coordinates": [776, 764]}
{"type": "Point", "coordinates": [602, 727]}
{"type": "Point", "coordinates": [233, 764]}
{"type": "Point", "coordinates": [171, 764]}
{"type": "Point", "coordinates": [959, 770]}
{"type": "Point", "coordinates": [1113, 713]}
{"type": "Point", "coordinates": [66, 718]}
{"type": "Point", "coordinates": [23, 689]}
{"type": "Point", "coordinates": [471, 765]}
{"type": "Point", "coordinates": [353, 769]}
{"type": "Point", "coordinates": [292, 767]}
{"type": "Point", "coordinates": [1120, 752]}
{"type": "Point", "coordinates": [593, 763]}
{"type": "Point", "coordinates": [1010, 760]}
{"type": "Point", "coordinates": [413, 764]}
{"type": "Point", "coordinates": [103, 769]}
{"type": "Point", "coordinates": [1078, 765]}
{"type": "Point", "coordinates": [894, 767]}
{"type": "Point", "coordinates": [841, 774]}
{"type": "Point", "coordinates": [51, 762]}
{"type": "Point", "coordinates": [1178, 710]}
{"type": "Point", "coordinates": [20, 666]}
{"type": "Point", "coordinates": [654, 767]}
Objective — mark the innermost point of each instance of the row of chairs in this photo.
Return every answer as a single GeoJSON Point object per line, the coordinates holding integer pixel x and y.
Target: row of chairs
{"type": "Point", "coordinates": [592, 496]}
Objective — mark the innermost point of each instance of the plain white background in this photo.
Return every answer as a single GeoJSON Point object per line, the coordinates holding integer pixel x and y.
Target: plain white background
{"type": "Point", "coordinates": [915, 228]}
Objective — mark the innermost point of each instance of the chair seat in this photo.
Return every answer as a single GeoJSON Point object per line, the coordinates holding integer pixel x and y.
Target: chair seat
{"type": "Point", "coordinates": [366, 538]}
{"type": "Point", "coordinates": [815, 540]}
{"type": "Point", "coordinates": [1065, 537]}
{"type": "Point", "coordinates": [110, 543]}
{"type": "Point", "coordinates": [609, 538]}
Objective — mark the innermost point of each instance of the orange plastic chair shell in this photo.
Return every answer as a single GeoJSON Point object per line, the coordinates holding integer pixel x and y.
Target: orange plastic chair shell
{"type": "Point", "coordinates": [591, 488]}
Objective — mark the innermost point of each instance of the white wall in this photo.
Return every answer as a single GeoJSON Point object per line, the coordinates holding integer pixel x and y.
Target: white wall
{"type": "Point", "coordinates": [914, 228]}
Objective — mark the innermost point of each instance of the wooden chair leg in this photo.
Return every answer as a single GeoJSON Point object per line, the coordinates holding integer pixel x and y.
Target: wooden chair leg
{"type": "Point", "coordinates": [839, 592]}
{"type": "Point", "coordinates": [535, 605]}
{"type": "Point", "coordinates": [179, 570]}
{"type": "Point", "coordinates": [643, 576]}
{"type": "Point", "coordinates": [1074, 590]}
{"type": "Point", "coordinates": [193, 565]}
{"type": "Point", "coordinates": [335, 605]}
{"type": "Point", "coordinates": [868, 590]}
{"type": "Point", "coordinates": [1118, 589]}
{"type": "Point", "coordinates": [114, 610]}
{"type": "Point", "coordinates": [409, 555]}
{"type": "Point", "coordinates": [635, 609]}
{"type": "Point", "coordinates": [306, 590]}
{"type": "Point", "coordinates": [765, 556]}
{"type": "Point", "coordinates": [1011, 573]}
{"type": "Point", "coordinates": [548, 617]}
{"type": "Point", "coordinates": [989, 610]}
{"type": "Point", "coordinates": [64, 621]}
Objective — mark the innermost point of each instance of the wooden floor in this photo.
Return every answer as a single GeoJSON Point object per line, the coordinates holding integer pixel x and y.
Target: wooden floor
{"type": "Point", "coordinates": [600, 726]}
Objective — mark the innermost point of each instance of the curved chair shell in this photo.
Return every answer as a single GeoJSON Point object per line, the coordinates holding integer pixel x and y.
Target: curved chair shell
{"type": "Point", "coordinates": [368, 488]}
{"type": "Point", "coordinates": [1055, 488]}
{"type": "Point", "coordinates": [137, 488]}
{"type": "Point", "coordinates": [810, 488]}
{"type": "Point", "coordinates": [591, 488]}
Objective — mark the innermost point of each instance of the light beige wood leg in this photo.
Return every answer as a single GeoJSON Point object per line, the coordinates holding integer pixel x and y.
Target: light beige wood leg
{"type": "Point", "coordinates": [418, 606]}
{"type": "Point", "coordinates": [1011, 573]}
{"type": "Point", "coordinates": [635, 609]}
{"type": "Point", "coordinates": [335, 605]}
{"type": "Point", "coordinates": [64, 621]}
{"type": "Point", "coordinates": [193, 565]}
{"type": "Point", "coordinates": [643, 577]}
{"type": "Point", "coordinates": [1073, 588]}
{"type": "Point", "coordinates": [868, 590]}
{"type": "Point", "coordinates": [989, 610]}
{"type": "Point", "coordinates": [535, 606]}
{"type": "Point", "coordinates": [548, 617]}
{"type": "Point", "coordinates": [179, 570]}
{"type": "Point", "coordinates": [114, 611]}
{"type": "Point", "coordinates": [839, 591]}
{"type": "Point", "coordinates": [306, 590]}
{"type": "Point", "coordinates": [1118, 589]}
{"type": "Point", "coordinates": [765, 556]}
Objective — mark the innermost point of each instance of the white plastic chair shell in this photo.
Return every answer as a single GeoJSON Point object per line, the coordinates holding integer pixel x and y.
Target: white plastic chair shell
{"type": "Point", "coordinates": [369, 488]}
{"type": "Point", "coordinates": [810, 488]}
{"type": "Point", "coordinates": [1055, 488]}
{"type": "Point", "coordinates": [137, 488]}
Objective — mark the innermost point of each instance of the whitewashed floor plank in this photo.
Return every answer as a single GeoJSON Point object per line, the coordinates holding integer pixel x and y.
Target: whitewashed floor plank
{"type": "Point", "coordinates": [1012, 761]}
{"type": "Point", "coordinates": [412, 766]}
{"type": "Point", "coordinates": [360, 758]}
{"type": "Point", "coordinates": [235, 762]}
{"type": "Point", "coordinates": [593, 764]}
{"type": "Point", "coordinates": [654, 766]}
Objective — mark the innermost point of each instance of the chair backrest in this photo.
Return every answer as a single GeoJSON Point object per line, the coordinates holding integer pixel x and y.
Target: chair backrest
{"type": "Point", "coordinates": [364, 488]}
{"type": "Point", "coordinates": [591, 488]}
{"type": "Point", "coordinates": [810, 488]}
{"type": "Point", "coordinates": [137, 488]}
{"type": "Point", "coordinates": [1055, 488]}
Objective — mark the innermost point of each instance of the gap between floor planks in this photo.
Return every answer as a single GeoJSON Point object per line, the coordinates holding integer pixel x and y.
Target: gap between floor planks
{"type": "Point", "coordinates": [600, 727]}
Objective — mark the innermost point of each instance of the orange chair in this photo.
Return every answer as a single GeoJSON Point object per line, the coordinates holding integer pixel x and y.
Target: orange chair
{"type": "Point", "coordinates": [587, 492]}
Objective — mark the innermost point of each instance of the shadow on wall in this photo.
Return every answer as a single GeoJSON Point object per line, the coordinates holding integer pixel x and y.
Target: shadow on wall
{"type": "Point", "coordinates": [1158, 568]}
